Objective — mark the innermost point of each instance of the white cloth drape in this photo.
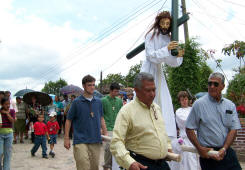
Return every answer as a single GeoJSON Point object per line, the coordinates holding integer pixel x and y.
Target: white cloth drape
{"type": "Point", "coordinates": [190, 161]}
{"type": "Point", "coordinates": [157, 54]}
{"type": "Point", "coordinates": [115, 166]}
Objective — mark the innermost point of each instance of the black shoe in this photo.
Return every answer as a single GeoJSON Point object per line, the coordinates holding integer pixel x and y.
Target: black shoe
{"type": "Point", "coordinates": [45, 156]}
{"type": "Point", "coordinates": [52, 154]}
{"type": "Point", "coordinates": [33, 154]}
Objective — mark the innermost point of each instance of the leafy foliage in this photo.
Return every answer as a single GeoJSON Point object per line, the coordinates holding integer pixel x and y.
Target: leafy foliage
{"type": "Point", "coordinates": [110, 78]}
{"type": "Point", "coordinates": [192, 74]}
{"type": "Point", "coordinates": [125, 81]}
{"type": "Point", "coordinates": [205, 71]}
{"type": "Point", "coordinates": [133, 71]}
{"type": "Point", "coordinates": [237, 48]}
{"type": "Point", "coordinates": [236, 88]}
{"type": "Point", "coordinates": [54, 87]}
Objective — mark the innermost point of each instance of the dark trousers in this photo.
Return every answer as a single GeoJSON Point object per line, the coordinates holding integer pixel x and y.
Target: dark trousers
{"type": "Point", "coordinates": [230, 162]}
{"type": "Point", "coordinates": [32, 137]}
{"type": "Point", "coordinates": [151, 164]}
{"type": "Point", "coordinates": [60, 122]}
{"type": "Point", "coordinates": [40, 140]}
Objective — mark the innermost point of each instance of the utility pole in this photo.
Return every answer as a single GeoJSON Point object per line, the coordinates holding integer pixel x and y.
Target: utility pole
{"type": "Point", "coordinates": [174, 25]}
{"type": "Point", "coordinates": [176, 22]}
{"type": "Point", "coordinates": [186, 32]}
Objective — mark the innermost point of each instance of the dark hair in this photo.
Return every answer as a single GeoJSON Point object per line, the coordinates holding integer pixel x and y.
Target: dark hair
{"type": "Point", "coordinates": [40, 115]}
{"type": "Point", "coordinates": [73, 96]}
{"type": "Point", "coordinates": [2, 92]}
{"type": "Point", "coordinates": [65, 95]}
{"type": "Point", "coordinates": [5, 99]}
{"type": "Point", "coordinates": [88, 79]}
{"type": "Point", "coordinates": [18, 97]}
{"type": "Point", "coordinates": [114, 86]}
{"type": "Point", "coordinates": [182, 94]}
{"type": "Point", "coordinates": [7, 92]}
{"type": "Point", "coordinates": [156, 27]}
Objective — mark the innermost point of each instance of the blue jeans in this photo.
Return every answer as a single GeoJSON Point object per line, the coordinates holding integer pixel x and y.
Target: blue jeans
{"type": "Point", "coordinates": [6, 141]}
{"type": "Point", "coordinates": [40, 140]}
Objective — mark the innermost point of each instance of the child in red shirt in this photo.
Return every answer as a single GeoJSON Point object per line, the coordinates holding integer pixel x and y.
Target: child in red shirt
{"type": "Point", "coordinates": [53, 128]}
{"type": "Point", "coordinates": [40, 130]}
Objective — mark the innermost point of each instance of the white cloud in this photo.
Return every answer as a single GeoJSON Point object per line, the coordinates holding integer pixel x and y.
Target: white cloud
{"type": "Point", "coordinates": [31, 45]}
{"type": "Point", "coordinates": [50, 51]}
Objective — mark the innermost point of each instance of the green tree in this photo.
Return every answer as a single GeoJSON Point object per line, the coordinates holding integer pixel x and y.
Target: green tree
{"type": "Point", "coordinates": [192, 74]}
{"type": "Point", "coordinates": [236, 90]}
{"type": "Point", "coordinates": [110, 78]}
{"type": "Point", "coordinates": [54, 87]}
{"type": "Point", "coordinates": [205, 71]}
{"type": "Point", "coordinates": [133, 71]}
{"type": "Point", "coordinates": [237, 48]}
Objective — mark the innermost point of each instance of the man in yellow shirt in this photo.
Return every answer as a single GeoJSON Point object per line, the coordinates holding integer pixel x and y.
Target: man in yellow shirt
{"type": "Point", "coordinates": [139, 137]}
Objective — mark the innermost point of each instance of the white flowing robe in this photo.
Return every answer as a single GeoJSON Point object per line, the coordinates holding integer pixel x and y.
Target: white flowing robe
{"type": "Point", "coordinates": [189, 161]}
{"type": "Point", "coordinates": [157, 54]}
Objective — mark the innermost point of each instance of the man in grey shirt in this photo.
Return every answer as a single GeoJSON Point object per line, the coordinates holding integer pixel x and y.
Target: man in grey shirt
{"type": "Point", "coordinates": [216, 122]}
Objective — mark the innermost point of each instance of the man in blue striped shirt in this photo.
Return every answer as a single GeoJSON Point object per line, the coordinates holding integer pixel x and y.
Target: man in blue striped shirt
{"type": "Point", "coordinates": [216, 121]}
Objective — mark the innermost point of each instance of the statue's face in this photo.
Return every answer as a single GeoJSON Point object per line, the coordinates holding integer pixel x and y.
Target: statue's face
{"type": "Point", "coordinates": [164, 24]}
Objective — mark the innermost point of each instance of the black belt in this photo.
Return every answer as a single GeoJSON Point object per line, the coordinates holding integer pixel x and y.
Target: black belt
{"type": "Point", "coordinates": [152, 161]}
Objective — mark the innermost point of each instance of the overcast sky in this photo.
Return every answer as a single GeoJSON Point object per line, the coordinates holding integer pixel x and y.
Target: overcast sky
{"type": "Point", "coordinates": [48, 39]}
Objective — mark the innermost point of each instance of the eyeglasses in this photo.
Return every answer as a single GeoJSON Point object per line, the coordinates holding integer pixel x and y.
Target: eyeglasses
{"type": "Point", "coordinates": [155, 113]}
{"type": "Point", "coordinates": [210, 83]}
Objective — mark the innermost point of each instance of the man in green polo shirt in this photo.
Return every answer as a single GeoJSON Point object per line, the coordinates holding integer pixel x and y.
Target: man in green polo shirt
{"type": "Point", "coordinates": [111, 106]}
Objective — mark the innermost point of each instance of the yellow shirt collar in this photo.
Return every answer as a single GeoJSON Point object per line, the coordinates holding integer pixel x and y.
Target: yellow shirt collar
{"type": "Point", "coordinates": [142, 104]}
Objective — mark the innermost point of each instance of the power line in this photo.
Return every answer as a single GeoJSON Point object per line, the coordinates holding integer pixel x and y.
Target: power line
{"type": "Point", "coordinates": [105, 43]}
{"type": "Point", "coordinates": [104, 33]}
{"type": "Point", "coordinates": [234, 3]}
{"type": "Point", "coordinates": [213, 16]}
{"type": "Point", "coordinates": [88, 46]}
{"type": "Point", "coordinates": [212, 2]}
{"type": "Point", "coordinates": [123, 55]}
{"type": "Point", "coordinates": [211, 53]}
{"type": "Point", "coordinates": [204, 9]}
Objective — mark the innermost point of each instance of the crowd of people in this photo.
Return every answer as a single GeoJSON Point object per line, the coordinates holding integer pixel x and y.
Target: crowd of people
{"type": "Point", "coordinates": [142, 128]}
{"type": "Point", "coordinates": [20, 121]}
{"type": "Point", "coordinates": [137, 128]}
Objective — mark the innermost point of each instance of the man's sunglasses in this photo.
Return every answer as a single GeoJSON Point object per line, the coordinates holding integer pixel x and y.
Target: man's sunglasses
{"type": "Point", "coordinates": [216, 84]}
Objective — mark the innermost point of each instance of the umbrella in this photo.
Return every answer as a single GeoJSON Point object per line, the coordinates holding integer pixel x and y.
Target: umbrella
{"type": "Point", "coordinates": [42, 98]}
{"type": "Point", "coordinates": [22, 92]}
{"type": "Point", "coordinates": [124, 94]}
{"type": "Point", "coordinates": [98, 94]}
{"type": "Point", "coordinates": [71, 89]}
{"type": "Point", "coordinates": [200, 94]}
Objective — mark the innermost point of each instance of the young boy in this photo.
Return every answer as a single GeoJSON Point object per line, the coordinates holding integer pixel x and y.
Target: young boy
{"type": "Point", "coordinates": [53, 128]}
{"type": "Point", "coordinates": [40, 130]}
